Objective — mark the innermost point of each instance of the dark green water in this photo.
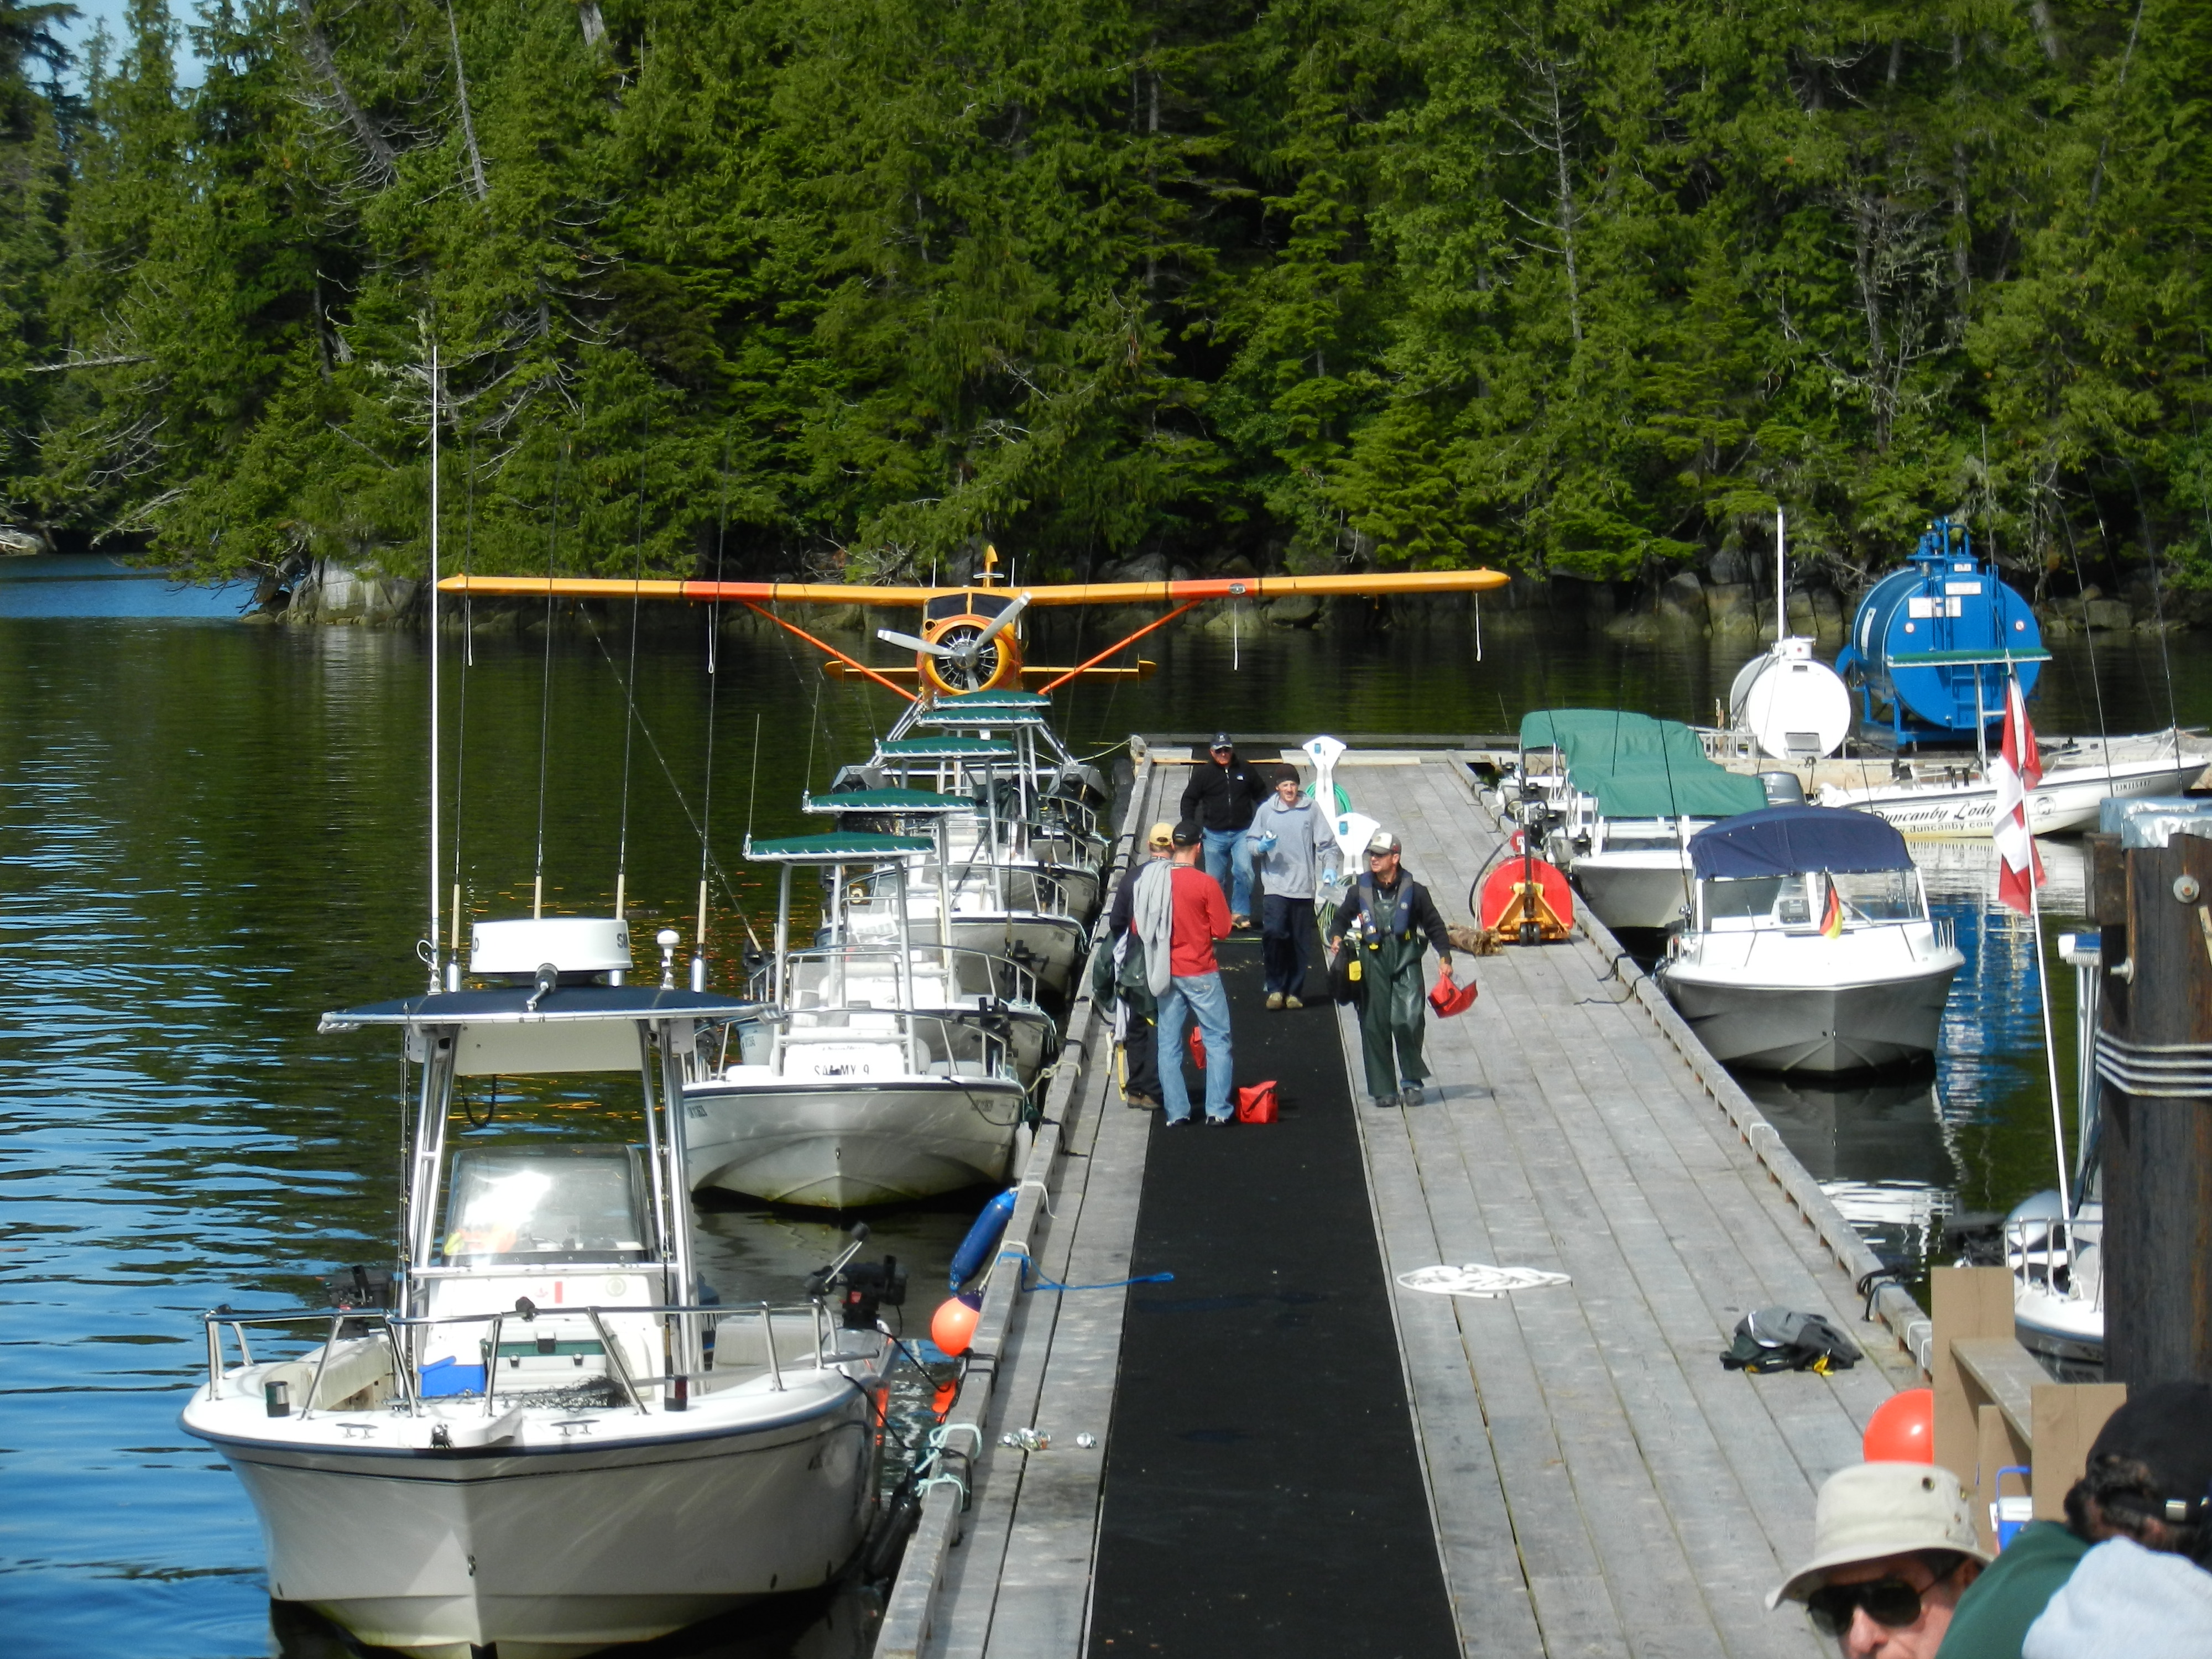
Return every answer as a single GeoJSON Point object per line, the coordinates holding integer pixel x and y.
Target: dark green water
{"type": "Point", "coordinates": [210, 833]}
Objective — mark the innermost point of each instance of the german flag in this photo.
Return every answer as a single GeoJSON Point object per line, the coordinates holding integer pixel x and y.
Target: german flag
{"type": "Point", "coordinates": [1831, 914]}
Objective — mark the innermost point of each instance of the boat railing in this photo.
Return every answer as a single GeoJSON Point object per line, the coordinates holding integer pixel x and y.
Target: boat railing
{"type": "Point", "coordinates": [762, 984]}
{"type": "Point", "coordinates": [397, 1332]}
{"type": "Point", "coordinates": [2046, 1252]}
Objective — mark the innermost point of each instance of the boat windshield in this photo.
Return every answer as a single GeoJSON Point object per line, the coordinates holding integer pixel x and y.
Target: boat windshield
{"type": "Point", "coordinates": [1881, 895]}
{"type": "Point", "coordinates": [577, 1204]}
{"type": "Point", "coordinates": [1756, 899]}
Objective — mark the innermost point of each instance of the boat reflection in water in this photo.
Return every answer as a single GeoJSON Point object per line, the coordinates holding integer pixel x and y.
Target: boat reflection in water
{"type": "Point", "coordinates": [1882, 1149]}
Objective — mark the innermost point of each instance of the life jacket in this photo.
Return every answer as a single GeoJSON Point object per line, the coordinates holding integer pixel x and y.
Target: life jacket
{"type": "Point", "coordinates": [1402, 916]}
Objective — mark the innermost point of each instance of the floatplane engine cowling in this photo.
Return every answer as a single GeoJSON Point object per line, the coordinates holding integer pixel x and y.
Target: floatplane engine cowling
{"type": "Point", "coordinates": [957, 618]}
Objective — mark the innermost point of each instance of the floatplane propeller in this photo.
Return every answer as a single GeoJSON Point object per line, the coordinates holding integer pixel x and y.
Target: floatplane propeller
{"type": "Point", "coordinates": [970, 640]}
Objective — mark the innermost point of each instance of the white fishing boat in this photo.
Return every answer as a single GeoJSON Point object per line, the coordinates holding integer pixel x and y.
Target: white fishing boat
{"type": "Point", "coordinates": [1953, 798]}
{"type": "Point", "coordinates": [1013, 891]}
{"type": "Point", "coordinates": [533, 1438]}
{"type": "Point", "coordinates": [1622, 795]}
{"type": "Point", "coordinates": [1810, 947]}
{"type": "Point", "coordinates": [849, 1091]}
{"type": "Point", "coordinates": [2057, 1265]}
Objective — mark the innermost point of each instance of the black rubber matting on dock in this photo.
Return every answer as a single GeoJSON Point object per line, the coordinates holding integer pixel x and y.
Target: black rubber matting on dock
{"type": "Point", "coordinates": [1263, 1494]}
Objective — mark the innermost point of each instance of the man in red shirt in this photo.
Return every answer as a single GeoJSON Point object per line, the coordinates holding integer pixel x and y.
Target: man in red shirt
{"type": "Point", "coordinates": [1195, 916]}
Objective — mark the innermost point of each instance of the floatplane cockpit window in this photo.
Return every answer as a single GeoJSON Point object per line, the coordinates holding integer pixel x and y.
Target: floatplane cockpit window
{"type": "Point", "coordinates": [578, 1204]}
{"type": "Point", "coordinates": [963, 602]}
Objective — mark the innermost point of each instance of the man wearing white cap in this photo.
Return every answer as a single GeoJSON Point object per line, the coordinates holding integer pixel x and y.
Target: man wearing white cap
{"type": "Point", "coordinates": [1894, 1548]}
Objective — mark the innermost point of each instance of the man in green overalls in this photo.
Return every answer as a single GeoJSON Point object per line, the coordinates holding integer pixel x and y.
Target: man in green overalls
{"type": "Point", "coordinates": [1389, 918]}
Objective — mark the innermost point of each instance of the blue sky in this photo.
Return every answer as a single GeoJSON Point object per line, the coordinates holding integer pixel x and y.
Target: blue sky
{"type": "Point", "coordinates": [92, 13]}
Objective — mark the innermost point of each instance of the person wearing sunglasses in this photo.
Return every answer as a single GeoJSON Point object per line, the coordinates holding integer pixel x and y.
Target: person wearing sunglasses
{"type": "Point", "coordinates": [1894, 1549]}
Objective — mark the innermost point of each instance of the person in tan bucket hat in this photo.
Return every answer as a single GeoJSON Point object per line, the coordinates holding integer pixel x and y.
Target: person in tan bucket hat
{"type": "Point", "coordinates": [1894, 1548]}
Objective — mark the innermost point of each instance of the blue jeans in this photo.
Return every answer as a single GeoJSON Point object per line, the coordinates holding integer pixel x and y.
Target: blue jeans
{"type": "Point", "coordinates": [1228, 847]}
{"type": "Point", "coordinates": [1200, 994]}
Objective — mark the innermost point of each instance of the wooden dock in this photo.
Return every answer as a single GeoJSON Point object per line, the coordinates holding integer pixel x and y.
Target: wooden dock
{"type": "Point", "coordinates": [1597, 1483]}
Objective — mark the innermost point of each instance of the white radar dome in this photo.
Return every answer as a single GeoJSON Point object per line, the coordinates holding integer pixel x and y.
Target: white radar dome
{"type": "Point", "coordinates": [1795, 706]}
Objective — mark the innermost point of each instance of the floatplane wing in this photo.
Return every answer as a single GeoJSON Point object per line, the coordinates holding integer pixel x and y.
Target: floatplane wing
{"type": "Point", "coordinates": [969, 641]}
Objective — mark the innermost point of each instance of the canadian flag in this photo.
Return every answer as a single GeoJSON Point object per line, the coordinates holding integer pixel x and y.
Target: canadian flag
{"type": "Point", "coordinates": [2015, 771]}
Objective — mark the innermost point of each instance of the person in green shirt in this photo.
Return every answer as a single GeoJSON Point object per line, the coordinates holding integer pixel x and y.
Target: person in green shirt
{"type": "Point", "coordinates": [2148, 1478]}
{"type": "Point", "coordinates": [1991, 1619]}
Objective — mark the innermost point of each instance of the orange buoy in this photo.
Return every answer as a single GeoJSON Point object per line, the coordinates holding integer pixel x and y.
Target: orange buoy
{"type": "Point", "coordinates": [952, 1327]}
{"type": "Point", "coordinates": [1902, 1429]}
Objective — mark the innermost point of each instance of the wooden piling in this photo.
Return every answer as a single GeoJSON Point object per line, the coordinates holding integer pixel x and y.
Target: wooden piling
{"type": "Point", "coordinates": [2157, 1149]}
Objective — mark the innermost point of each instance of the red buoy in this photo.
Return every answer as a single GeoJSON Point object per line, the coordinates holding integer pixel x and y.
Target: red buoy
{"type": "Point", "coordinates": [1902, 1429]}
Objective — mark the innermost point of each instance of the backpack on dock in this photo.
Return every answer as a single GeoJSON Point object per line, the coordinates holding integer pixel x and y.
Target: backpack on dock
{"type": "Point", "coordinates": [1782, 1340]}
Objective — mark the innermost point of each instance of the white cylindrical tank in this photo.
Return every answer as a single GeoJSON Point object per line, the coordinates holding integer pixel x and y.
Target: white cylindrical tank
{"type": "Point", "coordinates": [1794, 707]}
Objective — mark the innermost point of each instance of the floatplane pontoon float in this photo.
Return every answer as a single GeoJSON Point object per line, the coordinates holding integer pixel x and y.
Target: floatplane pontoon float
{"type": "Point", "coordinates": [542, 1442]}
{"type": "Point", "coordinates": [1810, 947]}
{"type": "Point", "coordinates": [1931, 650]}
{"type": "Point", "coordinates": [865, 1080]}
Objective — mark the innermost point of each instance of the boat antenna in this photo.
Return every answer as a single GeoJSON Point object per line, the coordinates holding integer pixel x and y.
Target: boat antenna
{"type": "Point", "coordinates": [545, 687]}
{"type": "Point", "coordinates": [752, 785]}
{"type": "Point", "coordinates": [1781, 578]}
{"type": "Point", "coordinates": [630, 680]}
{"type": "Point", "coordinates": [430, 943]}
{"type": "Point", "coordinates": [461, 714]}
{"type": "Point", "coordinates": [714, 701]}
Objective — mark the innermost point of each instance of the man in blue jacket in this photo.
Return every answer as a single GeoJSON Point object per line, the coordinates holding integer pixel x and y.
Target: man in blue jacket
{"type": "Point", "coordinates": [1291, 844]}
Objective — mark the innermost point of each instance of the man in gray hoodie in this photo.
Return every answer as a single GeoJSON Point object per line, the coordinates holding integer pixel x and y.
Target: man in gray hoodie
{"type": "Point", "coordinates": [1293, 844]}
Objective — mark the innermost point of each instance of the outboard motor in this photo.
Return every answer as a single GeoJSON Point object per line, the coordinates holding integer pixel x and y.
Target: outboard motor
{"type": "Point", "coordinates": [1783, 788]}
{"type": "Point", "coordinates": [1933, 644]}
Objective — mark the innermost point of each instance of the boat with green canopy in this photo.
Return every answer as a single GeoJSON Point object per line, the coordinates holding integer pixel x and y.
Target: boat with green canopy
{"type": "Point", "coordinates": [1623, 792]}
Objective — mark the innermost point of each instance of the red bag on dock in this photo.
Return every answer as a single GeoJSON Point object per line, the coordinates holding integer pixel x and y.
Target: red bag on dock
{"type": "Point", "coordinates": [1197, 1048]}
{"type": "Point", "coordinates": [1256, 1103]}
{"type": "Point", "coordinates": [1447, 997]}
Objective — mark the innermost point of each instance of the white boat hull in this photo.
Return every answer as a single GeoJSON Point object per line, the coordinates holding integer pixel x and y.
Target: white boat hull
{"type": "Point", "coordinates": [553, 1551]}
{"type": "Point", "coordinates": [1635, 890]}
{"type": "Point", "coordinates": [2068, 798]}
{"type": "Point", "coordinates": [843, 1144]}
{"type": "Point", "coordinates": [1812, 1027]}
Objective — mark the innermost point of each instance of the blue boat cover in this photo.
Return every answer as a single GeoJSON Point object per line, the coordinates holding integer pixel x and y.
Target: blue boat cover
{"type": "Point", "coordinates": [1783, 840]}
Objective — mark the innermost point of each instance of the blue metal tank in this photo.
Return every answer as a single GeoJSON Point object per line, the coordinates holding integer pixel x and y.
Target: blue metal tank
{"type": "Point", "coordinates": [1931, 645]}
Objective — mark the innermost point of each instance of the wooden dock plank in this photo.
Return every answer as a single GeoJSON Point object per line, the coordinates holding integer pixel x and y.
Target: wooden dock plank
{"type": "Point", "coordinates": [1636, 1184]}
{"type": "Point", "coordinates": [1598, 1484]}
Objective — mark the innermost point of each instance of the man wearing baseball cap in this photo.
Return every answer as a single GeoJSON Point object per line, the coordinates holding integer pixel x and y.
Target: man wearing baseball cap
{"type": "Point", "coordinates": [1388, 917]}
{"type": "Point", "coordinates": [1894, 1548]}
{"type": "Point", "coordinates": [1180, 919]}
{"type": "Point", "coordinates": [1220, 797]}
{"type": "Point", "coordinates": [1136, 1029]}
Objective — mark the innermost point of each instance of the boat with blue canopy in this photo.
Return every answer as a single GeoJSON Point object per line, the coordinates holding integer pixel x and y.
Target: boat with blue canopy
{"type": "Point", "coordinates": [1810, 947]}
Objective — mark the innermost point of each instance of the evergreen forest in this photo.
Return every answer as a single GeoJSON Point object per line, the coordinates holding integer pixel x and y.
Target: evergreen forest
{"type": "Point", "coordinates": [851, 286]}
